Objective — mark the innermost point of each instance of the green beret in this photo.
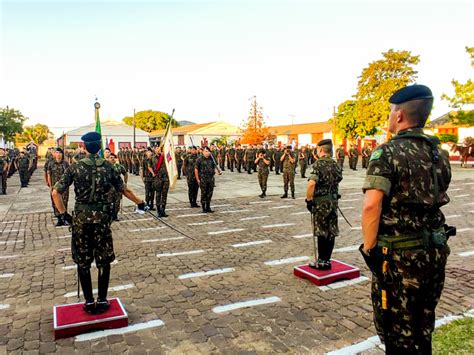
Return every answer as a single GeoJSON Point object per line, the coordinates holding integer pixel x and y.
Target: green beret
{"type": "Point", "coordinates": [410, 93]}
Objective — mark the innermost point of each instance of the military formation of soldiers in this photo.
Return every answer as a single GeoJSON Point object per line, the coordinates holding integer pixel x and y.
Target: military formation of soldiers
{"type": "Point", "coordinates": [13, 160]}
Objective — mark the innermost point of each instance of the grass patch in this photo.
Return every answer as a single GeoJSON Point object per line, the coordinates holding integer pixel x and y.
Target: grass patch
{"type": "Point", "coordinates": [456, 337]}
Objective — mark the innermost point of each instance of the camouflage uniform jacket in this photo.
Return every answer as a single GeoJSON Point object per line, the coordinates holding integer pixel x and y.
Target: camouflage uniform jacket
{"type": "Point", "coordinates": [161, 173]}
{"type": "Point", "coordinates": [147, 175]}
{"type": "Point", "coordinates": [327, 175]}
{"type": "Point", "coordinates": [262, 167]}
{"type": "Point", "coordinates": [340, 154]}
{"type": "Point", "coordinates": [190, 163]}
{"type": "Point", "coordinates": [23, 163]}
{"type": "Point", "coordinates": [402, 169]}
{"type": "Point", "coordinates": [206, 168]}
{"type": "Point", "coordinates": [287, 165]}
{"type": "Point", "coordinates": [3, 163]}
{"type": "Point", "coordinates": [56, 170]}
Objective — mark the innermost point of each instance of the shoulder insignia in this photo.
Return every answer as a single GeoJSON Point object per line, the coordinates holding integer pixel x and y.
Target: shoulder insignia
{"type": "Point", "coordinates": [376, 155]}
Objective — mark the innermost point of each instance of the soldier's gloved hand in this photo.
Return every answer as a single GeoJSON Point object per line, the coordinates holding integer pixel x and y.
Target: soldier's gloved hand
{"type": "Point", "coordinates": [309, 205]}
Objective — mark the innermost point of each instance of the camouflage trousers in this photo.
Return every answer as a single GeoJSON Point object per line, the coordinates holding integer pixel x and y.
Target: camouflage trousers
{"type": "Point", "coordinates": [207, 189]}
{"type": "Point", "coordinates": [340, 162]}
{"type": "Point", "coordinates": [325, 227]}
{"type": "Point", "coordinates": [365, 162]}
{"type": "Point", "coordinates": [65, 197]}
{"type": "Point", "coordinates": [3, 178]}
{"type": "Point", "coordinates": [161, 187]}
{"type": "Point", "coordinates": [149, 192]}
{"type": "Point", "coordinates": [415, 282]}
{"type": "Point", "coordinates": [193, 189]}
{"type": "Point", "coordinates": [353, 162]}
{"type": "Point", "coordinates": [24, 176]}
{"type": "Point", "coordinates": [303, 167]}
{"type": "Point", "coordinates": [92, 239]}
{"type": "Point", "coordinates": [262, 180]}
{"type": "Point", "coordinates": [289, 179]}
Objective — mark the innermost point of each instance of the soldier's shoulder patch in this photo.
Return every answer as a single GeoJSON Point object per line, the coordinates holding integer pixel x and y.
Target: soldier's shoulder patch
{"type": "Point", "coordinates": [376, 155]}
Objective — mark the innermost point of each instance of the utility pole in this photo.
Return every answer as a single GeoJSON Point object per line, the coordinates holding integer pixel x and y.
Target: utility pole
{"type": "Point", "coordinates": [134, 126]}
{"type": "Point", "coordinates": [334, 125]}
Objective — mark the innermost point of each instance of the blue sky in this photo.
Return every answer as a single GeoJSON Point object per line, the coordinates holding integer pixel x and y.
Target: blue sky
{"type": "Point", "coordinates": [207, 58]}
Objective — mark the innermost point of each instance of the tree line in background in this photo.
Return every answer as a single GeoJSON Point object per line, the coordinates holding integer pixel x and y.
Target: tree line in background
{"type": "Point", "coordinates": [12, 129]}
{"type": "Point", "coordinates": [150, 120]}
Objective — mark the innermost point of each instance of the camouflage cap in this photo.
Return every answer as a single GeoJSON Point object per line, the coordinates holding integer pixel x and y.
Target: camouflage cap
{"type": "Point", "coordinates": [410, 93]}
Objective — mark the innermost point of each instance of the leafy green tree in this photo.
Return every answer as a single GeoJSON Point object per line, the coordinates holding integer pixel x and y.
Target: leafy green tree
{"type": "Point", "coordinates": [448, 138]}
{"type": "Point", "coordinates": [37, 133]}
{"type": "Point", "coordinates": [463, 96]}
{"type": "Point", "coordinates": [150, 120]}
{"type": "Point", "coordinates": [11, 123]}
{"type": "Point", "coordinates": [220, 141]}
{"type": "Point", "coordinates": [347, 119]}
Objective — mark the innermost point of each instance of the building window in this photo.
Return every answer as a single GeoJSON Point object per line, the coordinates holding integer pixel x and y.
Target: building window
{"type": "Point", "coordinates": [124, 145]}
{"type": "Point", "coordinates": [140, 144]}
{"type": "Point", "coordinates": [181, 139]}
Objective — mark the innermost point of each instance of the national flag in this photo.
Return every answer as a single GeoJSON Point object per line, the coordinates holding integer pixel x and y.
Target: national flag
{"type": "Point", "coordinates": [170, 161]}
{"type": "Point", "coordinates": [99, 130]}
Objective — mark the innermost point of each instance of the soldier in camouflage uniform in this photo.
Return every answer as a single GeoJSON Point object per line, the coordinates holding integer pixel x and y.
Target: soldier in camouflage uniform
{"type": "Point", "coordinates": [56, 169]}
{"type": "Point", "coordinates": [204, 172]}
{"type": "Point", "coordinates": [366, 152]}
{"type": "Point", "coordinates": [303, 158]}
{"type": "Point", "coordinates": [405, 236]}
{"type": "Point", "coordinates": [116, 196]}
{"type": "Point", "coordinates": [3, 170]}
{"type": "Point", "coordinates": [80, 154]}
{"type": "Point", "coordinates": [277, 159]}
{"type": "Point", "coordinates": [161, 181]}
{"type": "Point", "coordinates": [353, 157]}
{"type": "Point", "coordinates": [49, 159]}
{"type": "Point", "coordinates": [288, 162]}
{"type": "Point", "coordinates": [178, 154]}
{"type": "Point", "coordinates": [239, 158]}
{"type": "Point", "coordinates": [193, 186]}
{"type": "Point", "coordinates": [23, 167]}
{"type": "Point", "coordinates": [321, 201]}
{"type": "Point", "coordinates": [147, 177]}
{"type": "Point", "coordinates": [91, 235]}
{"type": "Point", "coordinates": [230, 158]}
{"type": "Point", "coordinates": [340, 156]}
{"type": "Point", "coordinates": [263, 162]}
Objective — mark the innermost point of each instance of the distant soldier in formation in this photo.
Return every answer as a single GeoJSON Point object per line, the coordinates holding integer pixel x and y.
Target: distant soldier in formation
{"type": "Point", "coordinates": [288, 161]}
{"type": "Point", "coordinates": [366, 152]}
{"type": "Point", "coordinates": [249, 158]}
{"type": "Point", "coordinates": [340, 156]}
{"type": "Point", "coordinates": [116, 196]}
{"type": "Point", "coordinates": [178, 154]}
{"type": "Point", "coordinates": [303, 158]}
{"type": "Point", "coordinates": [204, 171]}
{"type": "Point", "coordinates": [80, 154]}
{"type": "Point", "coordinates": [161, 182]}
{"type": "Point", "coordinates": [321, 200]}
{"type": "Point", "coordinates": [230, 158]}
{"type": "Point", "coordinates": [277, 159]}
{"type": "Point", "coordinates": [23, 167]}
{"type": "Point", "coordinates": [147, 178]}
{"type": "Point", "coordinates": [239, 158]}
{"type": "Point", "coordinates": [193, 185]}
{"type": "Point", "coordinates": [3, 170]}
{"type": "Point", "coordinates": [263, 163]}
{"type": "Point", "coordinates": [56, 169]}
{"type": "Point", "coordinates": [353, 157]}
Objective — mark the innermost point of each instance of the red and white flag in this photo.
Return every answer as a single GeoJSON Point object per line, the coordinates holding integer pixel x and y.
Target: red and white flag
{"type": "Point", "coordinates": [170, 161]}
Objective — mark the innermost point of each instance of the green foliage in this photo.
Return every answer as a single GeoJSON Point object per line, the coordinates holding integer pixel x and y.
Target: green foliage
{"type": "Point", "coordinates": [220, 141]}
{"type": "Point", "coordinates": [151, 120]}
{"type": "Point", "coordinates": [448, 138]}
{"type": "Point", "coordinates": [463, 96]}
{"type": "Point", "coordinates": [72, 146]}
{"type": "Point", "coordinates": [455, 338]}
{"type": "Point", "coordinates": [11, 123]}
{"type": "Point", "coordinates": [346, 119]}
{"type": "Point", "coordinates": [37, 133]}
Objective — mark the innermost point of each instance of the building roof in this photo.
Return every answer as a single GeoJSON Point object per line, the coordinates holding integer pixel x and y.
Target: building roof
{"type": "Point", "coordinates": [109, 128]}
{"type": "Point", "coordinates": [316, 127]}
{"type": "Point", "coordinates": [217, 128]}
{"type": "Point", "coordinates": [444, 121]}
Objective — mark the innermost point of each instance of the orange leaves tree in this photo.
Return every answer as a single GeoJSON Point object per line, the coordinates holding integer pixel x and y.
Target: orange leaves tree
{"type": "Point", "coordinates": [253, 128]}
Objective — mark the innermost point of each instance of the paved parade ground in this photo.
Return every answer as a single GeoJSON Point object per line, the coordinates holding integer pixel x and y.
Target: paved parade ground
{"type": "Point", "coordinates": [229, 289]}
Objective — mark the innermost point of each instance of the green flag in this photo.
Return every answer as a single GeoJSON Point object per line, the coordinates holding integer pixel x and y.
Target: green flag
{"type": "Point", "coordinates": [98, 129]}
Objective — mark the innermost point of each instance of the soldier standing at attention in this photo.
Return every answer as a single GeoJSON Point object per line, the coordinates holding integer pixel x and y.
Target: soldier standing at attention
{"type": "Point", "coordinates": [288, 161]}
{"type": "Point", "coordinates": [262, 162]}
{"type": "Point", "coordinates": [193, 186]}
{"type": "Point", "coordinates": [353, 157]}
{"type": "Point", "coordinates": [239, 158]}
{"type": "Point", "coordinates": [178, 154]}
{"type": "Point", "coordinates": [340, 156]}
{"type": "Point", "coordinates": [161, 181]}
{"type": "Point", "coordinates": [23, 166]}
{"type": "Point", "coordinates": [116, 196]}
{"type": "Point", "coordinates": [276, 158]}
{"type": "Point", "coordinates": [147, 178]}
{"type": "Point", "coordinates": [204, 172]}
{"type": "Point", "coordinates": [56, 169]}
{"type": "Point", "coordinates": [366, 152]}
{"type": "Point", "coordinates": [231, 158]}
{"type": "Point", "coordinates": [321, 201]}
{"type": "Point", "coordinates": [249, 158]}
{"type": "Point", "coordinates": [3, 170]}
{"type": "Point", "coordinates": [49, 159]}
{"type": "Point", "coordinates": [303, 158]}
{"type": "Point", "coordinates": [91, 234]}
{"type": "Point", "coordinates": [405, 236]}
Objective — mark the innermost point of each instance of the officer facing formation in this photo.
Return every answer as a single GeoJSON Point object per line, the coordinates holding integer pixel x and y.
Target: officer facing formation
{"type": "Point", "coordinates": [92, 177]}
{"type": "Point", "coordinates": [116, 196]}
{"type": "Point", "coordinates": [161, 181]}
{"type": "Point", "coordinates": [263, 163]}
{"type": "Point", "coordinates": [147, 177]}
{"type": "Point", "coordinates": [405, 236]}
{"type": "Point", "coordinates": [288, 162]}
{"type": "Point", "coordinates": [204, 171]}
{"type": "Point", "coordinates": [193, 186]}
{"type": "Point", "coordinates": [55, 170]}
{"type": "Point", "coordinates": [23, 166]}
{"type": "Point", "coordinates": [321, 200]}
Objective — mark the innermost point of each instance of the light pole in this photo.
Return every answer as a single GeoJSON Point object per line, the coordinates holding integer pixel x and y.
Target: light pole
{"type": "Point", "coordinates": [134, 126]}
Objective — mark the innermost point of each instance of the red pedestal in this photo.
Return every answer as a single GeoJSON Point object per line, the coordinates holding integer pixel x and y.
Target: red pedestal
{"type": "Point", "coordinates": [339, 271]}
{"type": "Point", "coordinates": [70, 319]}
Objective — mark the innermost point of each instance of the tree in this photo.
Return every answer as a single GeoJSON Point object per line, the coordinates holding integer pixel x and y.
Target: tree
{"type": "Point", "coordinates": [347, 119]}
{"type": "Point", "coordinates": [150, 120]}
{"type": "Point", "coordinates": [254, 130]}
{"type": "Point", "coordinates": [37, 133]}
{"type": "Point", "coordinates": [463, 96]}
{"type": "Point", "coordinates": [11, 123]}
{"type": "Point", "coordinates": [220, 141]}
{"type": "Point", "coordinates": [377, 83]}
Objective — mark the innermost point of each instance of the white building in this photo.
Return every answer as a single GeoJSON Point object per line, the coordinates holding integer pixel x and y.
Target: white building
{"type": "Point", "coordinates": [116, 134]}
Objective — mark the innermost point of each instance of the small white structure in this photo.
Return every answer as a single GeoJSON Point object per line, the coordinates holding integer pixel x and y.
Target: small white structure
{"type": "Point", "coordinates": [302, 134]}
{"type": "Point", "coordinates": [116, 134]}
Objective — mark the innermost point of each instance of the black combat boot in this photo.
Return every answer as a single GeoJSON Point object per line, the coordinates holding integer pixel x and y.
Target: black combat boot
{"type": "Point", "coordinates": [285, 195]}
{"type": "Point", "coordinates": [103, 282]}
{"type": "Point", "coordinates": [60, 222]}
{"type": "Point", "coordinates": [204, 207]}
{"type": "Point", "coordinates": [293, 195]}
{"type": "Point", "coordinates": [208, 208]}
{"type": "Point", "coordinates": [262, 195]}
{"type": "Point", "coordinates": [163, 213]}
{"type": "Point", "coordinates": [86, 284]}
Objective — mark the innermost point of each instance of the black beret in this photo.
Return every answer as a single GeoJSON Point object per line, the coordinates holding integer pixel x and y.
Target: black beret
{"type": "Point", "coordinates": [59, 150]}
{"type": "Point", "coordinates": [409, 93]}
{"type": "Point", "coordinates": [107, 149]}
{"type": "Point", "coordinates": [207, 148]}
{"type": "Point", "coordinates": [325, 142]}
{"type": "Point", "coordinates": [91, 137]}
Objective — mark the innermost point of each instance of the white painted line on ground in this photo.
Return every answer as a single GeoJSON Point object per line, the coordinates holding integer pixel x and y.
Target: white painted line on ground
{"type": "Point", "coordinates": [8, 256]}
{"type": "Point", "coordinates": [70, 267]}
{"type": "Point", "coordinates": [235, 211]}
{"type": "Point", "coordinates": [161, 240]}
{"type": "Point", "coordinates": [256, 242]}
{"type": "Point", "coordinates": [252, 218]}
{"type": "Point", "coordinates": [178, 208]}
{"type": "Point", "coordinates": [354, 193]}
{"type": "Point", "coordinates": [10, 242]}
{"type": "Point", "coordinates": [469, 183]}
{"type": "Point", "coordinates": [280, 207]}
{"type": "Point", "coordinates": [471, 211]}
{"type": "Point", "coordinates": [295, 259]}
{"type": "Point", "coordinates": [115, 288]}
{"type": "Point", "coordinates": [374, 341]}
{"type": "Point", "coordinates": [226, 231]}
{"type": "Point", "coordinates": [302, 236]}
{"type": "Point", "coordinates": [4, 306]}
{"type": "Point", "coordinates": [245, 304]}
{"type": "Point", "coordinates": [467, 253]}
{"type": "Point", "coordinates": [65, 236]}
{"type": "Point", "coordinates": [451, 190]}
{"type": "Point", "coordinates": [463, 230]}
{"type": "Point", "coordinates": [64, 249]}
{"type": "Point", "coordinates": [190, 252]}
{"type": "Point", "coordinates": [345, 249]}
{"type": "Point", "coordinates": [341, 284]}
{"type": "Point", "coordinates": [462, 195]}
{"type": "Point", "coordinates": [7, 222]}
{"type": "Point", "coordinates": [204, 223]}
{"type": "Point", "coordinates": [135, 220]}
{"type": "Point", "coordinates": [347, 208]}
{"type": "Point", "coordinates": [259, 202]}
{"type": "Point", "coordinates": [278, 225]}
{"type": "Point", "coordinates": [6, 276]}
{"type": "Point", "coordinates": [205, 273]}
{"type": "Point", "coordinates": [469, 203]}
{"type": "Point", "coordinates": [13, 230]}
{"type": "Point", "coordinates": [453, 216]}
{"type": "Point", "coordinates": [226, 205]}
{"type": "Point", "coordinates": [351, 200]}
{"type": "Point", "coordinates": [191, 215]}
{"type": "Point", "coordinates": [131, 328]}
{"type": "Point", "coordinates": [356, 228]}
{"type": "Point", "coordinates": [298, 213]}
{"type": "Point", "coordinates": [146, 229]}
